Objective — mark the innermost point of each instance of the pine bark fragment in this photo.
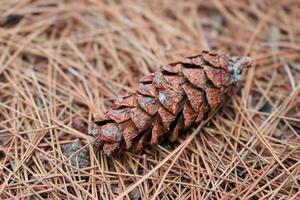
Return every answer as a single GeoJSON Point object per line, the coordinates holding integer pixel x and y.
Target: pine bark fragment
{"type": "Point", "coordinates": [169, 101]}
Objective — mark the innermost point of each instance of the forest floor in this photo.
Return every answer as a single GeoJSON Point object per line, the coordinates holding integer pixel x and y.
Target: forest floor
{"type": "Point", "coordinates": [63, 62]}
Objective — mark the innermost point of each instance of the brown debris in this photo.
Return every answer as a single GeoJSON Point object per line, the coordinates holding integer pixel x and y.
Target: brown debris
{"type": "Point", "coordinates": [81, 159]}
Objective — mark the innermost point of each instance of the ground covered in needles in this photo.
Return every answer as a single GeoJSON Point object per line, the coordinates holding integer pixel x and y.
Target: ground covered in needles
{"type": "Point", "coordinates": [63, 62]}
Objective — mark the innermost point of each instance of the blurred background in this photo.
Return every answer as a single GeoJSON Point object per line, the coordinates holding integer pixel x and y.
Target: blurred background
{"type": "Point", "coordinates": [63, 62]}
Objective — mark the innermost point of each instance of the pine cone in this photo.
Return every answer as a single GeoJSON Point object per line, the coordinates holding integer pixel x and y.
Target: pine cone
{"type": "Point", "coordinates": [169, 101]}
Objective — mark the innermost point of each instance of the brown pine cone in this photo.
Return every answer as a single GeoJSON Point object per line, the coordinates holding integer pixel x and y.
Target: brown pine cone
{"type": "Point", "coordinates": [169, 101]}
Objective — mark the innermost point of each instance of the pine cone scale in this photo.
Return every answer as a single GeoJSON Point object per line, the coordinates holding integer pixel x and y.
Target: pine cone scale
{"type": "Point", "coordinates": [147, 89]}
{"type": "Point", "coordinates": [178, 127]}
{"type": "Point", "coordinates": [189, 115]}
{"type": "Point", "coordinates": [196, 76]}
{"type": "Point", "coordinates": [166, 117]}
{"type": "Point", "coordinates": [195, 97]}
{"type": "Point", "coordinates": [216, 60]}
{"type": "Point", "coordinates": [156, 131]}
{"type": "Point", "coordinates": [149, 104]}
{"type": "Point", "coordinates": [217, 76]}
{"type": "Point", "coordinates": [129, 133]}
{"type": "Point", "coordinates": [140, 118]}
{"type": "Point", "coordinates": [170, 99]}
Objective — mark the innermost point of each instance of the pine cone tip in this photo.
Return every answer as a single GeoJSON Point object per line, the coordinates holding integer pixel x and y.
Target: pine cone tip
{"type": "Point", "coordinates": [244, 62]}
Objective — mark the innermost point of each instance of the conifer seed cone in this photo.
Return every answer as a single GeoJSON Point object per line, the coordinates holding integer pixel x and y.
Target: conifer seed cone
{"type": "Point", "coordinates": [169, 101]}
